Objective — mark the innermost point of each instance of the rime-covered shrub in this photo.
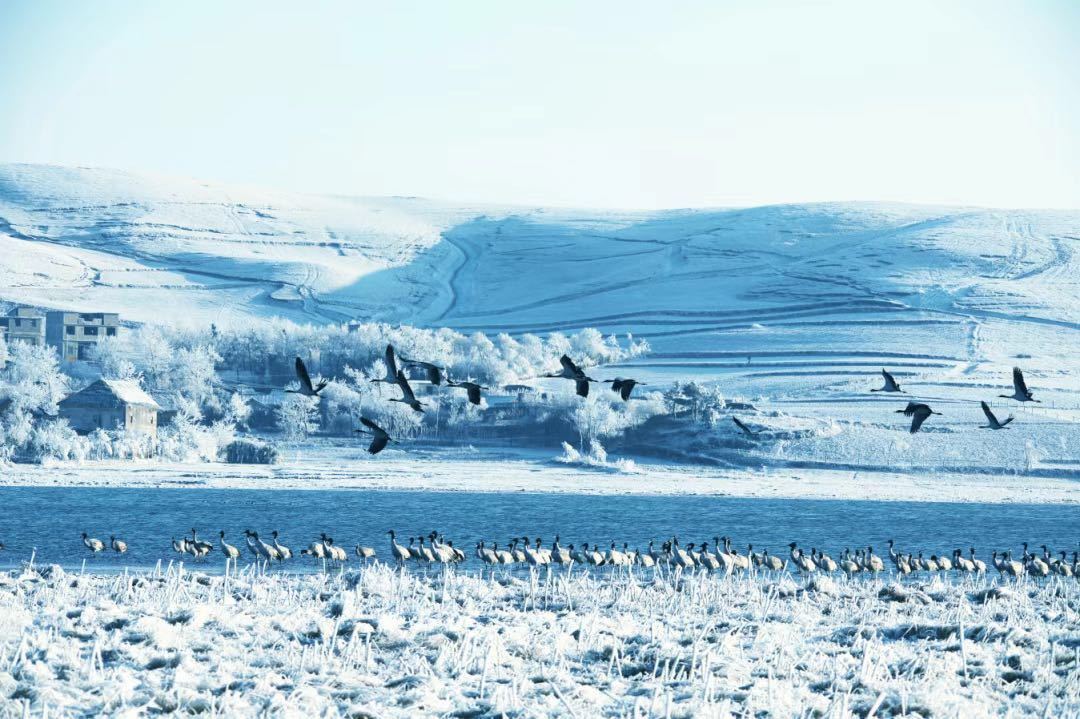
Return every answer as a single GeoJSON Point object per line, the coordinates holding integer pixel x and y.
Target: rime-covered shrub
{"type": "Point", "coordinates": [250, 451]}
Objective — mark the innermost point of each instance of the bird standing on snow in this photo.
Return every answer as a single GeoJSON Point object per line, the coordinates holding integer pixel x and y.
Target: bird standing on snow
{"type": "Point", "coordinates": [918, 413]}
{"type": "Point", "coordinates": [994, 424]}
{"type": "Point", "coordinates": [890, 383]}
{"type": "Point", "coordinates": [1020, 391]}
{"type": "Point", "coordinates": [306, 387]}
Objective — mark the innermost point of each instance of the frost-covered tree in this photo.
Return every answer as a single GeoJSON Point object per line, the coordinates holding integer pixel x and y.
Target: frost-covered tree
{"type": "Point", "coordinates": [297, 415]}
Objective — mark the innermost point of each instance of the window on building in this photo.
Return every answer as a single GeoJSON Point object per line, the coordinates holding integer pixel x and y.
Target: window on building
{"type": "Point", "coordinates": [70, 330]}
{"type": "Point", "coordinates": [110, 331]}
{"type": "Point", "coordinates": [89, 330]}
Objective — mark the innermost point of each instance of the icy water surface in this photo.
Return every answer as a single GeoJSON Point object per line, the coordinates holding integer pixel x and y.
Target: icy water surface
{"type": "Point", "coordinates": [52, 519]}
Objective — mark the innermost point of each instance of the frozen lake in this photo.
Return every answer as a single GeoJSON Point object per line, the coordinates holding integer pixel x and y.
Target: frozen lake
{"type": "Point", "coordinates": [51, 520]}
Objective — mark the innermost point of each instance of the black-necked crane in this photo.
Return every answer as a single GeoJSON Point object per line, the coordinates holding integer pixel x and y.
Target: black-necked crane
{"type": "Point", "coordinates": [283, 551]}
{"type": "Point", "coordinates": [531, 555]}
{"type": "Point", "coordinates": [259, 548]}
{"type": "Point", "coordinates": [873, 562]}
{"type": "Point", "coordinates": [379, 437]}
{"type": "Point", "coordinates": [432, 372]}
{"type": "Point", "coordinates": [398, 552]}
{"type": "Point", "coordinates": [333, 551]}
{"type": "Point", "coordinates": [407, 396]}
{"type": "Point", "coordinates": [980, 565]}
{"type": "Point", "coordinates": [962, 563]}
{"type": "Point", "coordinates": [197, 547]}
{"type": "Point", "coordinates": [227, 549]}
{"type": "Point", "coordinates": [827, 563]}
{"type": "Point", "coordinates": [1008, 565]}
{"type": "Point", "coordinates": [594, 555]}
{"type": "Point", "coordinates": [580, 555]}
{"type": "Point", "coordinates": [306, 387]}
{"type": "Point", "coordinates": [119, 546]}
{"type": "Point", "coordinates": [1062, 566]}
{"type": "Point", "coordinates": [180, 547]}
{"type": "Point", "coordinates": [559, 555]}
{"type": "Point", "coordinates": [472, 389]}
{"type": "Point", "coordinates": [707, 560]}
{"type": "Point", "coordinates": [848, 565]}
{"type": "Point", "coordinates": [503, 555]}
{"type": "Point", "coordinates": [1021, 393]}
{"type": "Point", "coordinates": [992, 420]}
{"type": "Point", "coordinates": [315, 549]}
{"type": "Point", "coordinates": [94, 545]}
{"type": "Point", "coordinates": [572, 372]}
{"type": "Point", "coordinates": [800, 560]}
{"type": "Point", "coordinates": [391, 367]}
{"type": "Point", "coordinates": [743, 428]}
{"type": "Point", "coordinates": [485, 555]}
{"type": "Point", "coordinates": [890, 383]}
{"type": "Point", "coordinates": [623, 386]}
{"type": "Point", "coordinates": [364, 552]}
{"type": "Point", "coordinates": [771, 561]}
{"type": "Point", "coordinates": [918, 413]}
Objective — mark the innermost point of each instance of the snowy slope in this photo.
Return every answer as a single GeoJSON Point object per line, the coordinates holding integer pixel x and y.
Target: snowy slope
{"type": "Point", "coordinates": [794, 308]}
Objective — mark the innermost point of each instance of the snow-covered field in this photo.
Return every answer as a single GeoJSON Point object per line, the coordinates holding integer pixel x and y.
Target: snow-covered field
{"type": "Point", "coordinates": [381, 642]}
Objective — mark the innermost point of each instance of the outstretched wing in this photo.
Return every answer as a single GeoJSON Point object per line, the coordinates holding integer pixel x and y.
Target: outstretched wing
{"type": "Point", "coordinates": [890, 381]}
{"type": "Point", "coordinates": [474, 393]}
{"type": "Point", "coordinates": [616, 384]}
{"type": "Point", "coordinates": [919, 415]}
{"type": "Point", "coordinates": [625, 388]}
{"type": "Point", "coordinates": [746, 430]}
{"type": "Point", "coordinates": [434, 376]}
{"type": "Point", "coordinates": [583, 387]}
{"type": "Point", "coordinates": [406, 390]}
{"type": "Point", "coordinates": [568, 364]}
{"type": "Point", "coordinates": [371, 425]}
{"type": "Point", "coordinates": [1018, 382]}
{"type": "Point", "coordinates": [303, 376]}
{"type": "Point", "coordinates": [378, 444]}
{"type": "Point", "coordinates": [989, 415]}
{"type": "Point", "coordinates": [391, 362]}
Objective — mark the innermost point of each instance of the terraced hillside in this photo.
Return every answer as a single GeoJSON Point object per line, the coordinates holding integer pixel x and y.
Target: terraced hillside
{"type": "Point", "coordinates": [795, 308]}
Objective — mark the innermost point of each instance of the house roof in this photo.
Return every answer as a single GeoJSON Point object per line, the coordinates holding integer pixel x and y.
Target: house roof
{"type": "Point", "coordinates": [126, 390]}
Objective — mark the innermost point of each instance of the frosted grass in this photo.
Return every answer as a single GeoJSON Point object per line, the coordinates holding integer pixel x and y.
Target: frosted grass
{"type": "Point", "coordinates": [383, 642]}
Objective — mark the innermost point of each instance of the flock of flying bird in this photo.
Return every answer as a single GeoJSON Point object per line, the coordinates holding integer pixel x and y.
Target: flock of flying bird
{"type": "Point", "coordinates": [720, 555]}
{"type": "Point", "coordinates": [436, 375]}
{"type": "Point", "coordinates": [919, 412]}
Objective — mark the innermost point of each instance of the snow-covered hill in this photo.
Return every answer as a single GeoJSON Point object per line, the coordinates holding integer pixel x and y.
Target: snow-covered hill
{"type": "Point", "coordinates": [790, 307]}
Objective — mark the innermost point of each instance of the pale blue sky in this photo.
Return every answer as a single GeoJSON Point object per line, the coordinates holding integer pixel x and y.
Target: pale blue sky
{"type": "Point", "coordinates": [617, 104]}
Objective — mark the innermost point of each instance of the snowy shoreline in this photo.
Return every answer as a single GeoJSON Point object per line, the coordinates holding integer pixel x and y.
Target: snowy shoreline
{"type": "Point", "coordinates": [379, 642]}
{"type": "Point", "coordinates": [463, 471]}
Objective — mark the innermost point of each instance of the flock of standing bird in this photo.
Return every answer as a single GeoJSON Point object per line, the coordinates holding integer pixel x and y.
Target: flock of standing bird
{"type": "Point", "coordinates": [919, 412]}
{"type": "Point", "coordinates": [719, 555]}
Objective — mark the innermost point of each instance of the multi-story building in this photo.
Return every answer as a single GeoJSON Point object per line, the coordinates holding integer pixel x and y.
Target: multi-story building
{"type": "Point", "coordinates": [24, 323]}
{"type": "Point", "coordinates": [74, 334]}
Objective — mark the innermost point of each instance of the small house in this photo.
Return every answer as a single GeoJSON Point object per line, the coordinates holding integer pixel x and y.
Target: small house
{"type": "Point", "coordinates": [111, 404]}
